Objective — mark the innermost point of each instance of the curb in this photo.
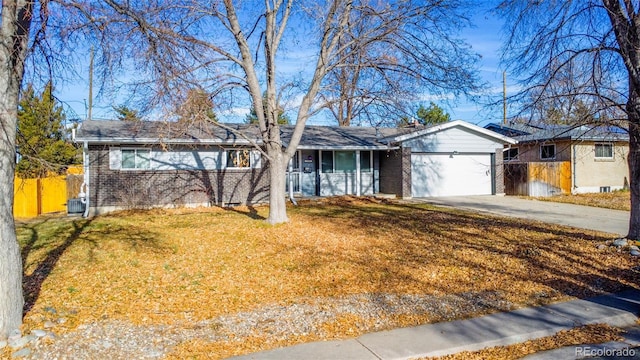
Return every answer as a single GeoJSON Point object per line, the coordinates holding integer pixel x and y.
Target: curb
{"type": "Point", "coordinates": [445, 338]}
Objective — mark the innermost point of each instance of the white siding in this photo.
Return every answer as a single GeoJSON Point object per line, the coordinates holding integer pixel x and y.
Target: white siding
{"type": "Point", "coordinates": [183, 159]}
{"type": "Point", "coordinates": [256, 159]}
{"type": "Point", "coordinates": [332, 184]}
{"type": "Point", "coordinates": [453, 139]}
{"type": "Point", "coordinates": [186, 160]}
{"type": "Point", "coordinates": [115, 158]}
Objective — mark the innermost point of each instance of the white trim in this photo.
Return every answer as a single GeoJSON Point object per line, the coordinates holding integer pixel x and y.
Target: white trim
{"type": "Point", "coordinates": [345, 148]}
{"type": "Point", "coordinates": [358, 175]}
{"type": "Point", "coordinates": [451, 124]}
{"type": "Point", "coordinates": [147, 141]}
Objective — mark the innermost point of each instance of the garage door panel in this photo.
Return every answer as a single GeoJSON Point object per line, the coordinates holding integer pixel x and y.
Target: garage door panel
{"type": "Point", "coordinates": [450, 175]}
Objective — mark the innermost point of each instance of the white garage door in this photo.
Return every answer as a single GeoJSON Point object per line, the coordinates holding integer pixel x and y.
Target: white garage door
{"type": "Point", "coordinates": [450, 175]}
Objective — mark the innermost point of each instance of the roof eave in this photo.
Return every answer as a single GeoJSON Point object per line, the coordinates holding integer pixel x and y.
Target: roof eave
{"type": "Point", "coordinates": [347, 148]}
{"type": "Point", "coordinates": [448, 125]}
{"type": "Point", "coordinates": [151, 141]}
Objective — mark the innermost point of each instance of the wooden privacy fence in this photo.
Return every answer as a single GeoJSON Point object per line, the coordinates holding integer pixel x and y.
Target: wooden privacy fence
{"type": "Point", "coordinates": [33, 197]}
{"type": "Point", "coordinates": [538, 178]}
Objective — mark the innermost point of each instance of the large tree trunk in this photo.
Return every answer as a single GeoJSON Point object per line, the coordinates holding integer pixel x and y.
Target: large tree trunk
{"type": "Point", "coordinates": [277, 190]}
{"type": "Point", "coordinates": [11, 298]}
{"type": "Point", "coordinates": [633, 113]}
{"type": "Point", "coordinates": [14, 35]}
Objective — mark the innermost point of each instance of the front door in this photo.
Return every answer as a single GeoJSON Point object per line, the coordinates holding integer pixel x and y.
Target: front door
{"type": "Point", "coordinates": [309, 173]}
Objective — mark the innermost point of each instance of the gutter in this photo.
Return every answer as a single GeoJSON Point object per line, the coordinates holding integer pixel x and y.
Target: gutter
{"type": "Point", "coordinates": [290, 168]}
{"type": "Point", "coordinates": [118, 140]}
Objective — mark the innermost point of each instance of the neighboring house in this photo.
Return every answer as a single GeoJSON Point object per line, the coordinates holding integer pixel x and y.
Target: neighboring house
{"type": "Point", "coordinates": [144, 164]}
{"type": "Point", "coordinates": [564, 159]}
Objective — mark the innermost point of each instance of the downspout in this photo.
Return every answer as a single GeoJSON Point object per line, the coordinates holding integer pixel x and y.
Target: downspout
{"type": "Point", "coordinates": [293, 200]}
{"type": "Point", "coordinates": [84, 188]}
{"type": "Point", "coordinates": [573, 170]}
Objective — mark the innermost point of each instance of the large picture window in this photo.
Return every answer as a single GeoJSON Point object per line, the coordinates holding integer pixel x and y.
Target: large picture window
{"type": "Point", "coordinates": [345, 162]}
{"type": "Point", "coordinates": [604, 151]}
{"type": "Point", "coordinates": [239, 158]}
{"type": "Point", "coordinates": [135, 159]}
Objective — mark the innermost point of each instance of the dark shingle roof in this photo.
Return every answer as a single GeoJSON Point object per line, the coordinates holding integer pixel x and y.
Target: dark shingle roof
{"type": "Point", "coordinates": [151, 132]}
{"type": "Point", "coordinates": [529, 133]}
{"type": "Point", "coordinates": [319, 137]}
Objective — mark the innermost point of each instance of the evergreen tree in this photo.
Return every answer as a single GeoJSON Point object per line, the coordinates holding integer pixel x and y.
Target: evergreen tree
{"type": "Point", "coordinates": [432, 115]}
{"type": "Point", "coordinates": [252, 117]}
{"type": "Point", "coordinates": [127, 114]}
{"type": "Point", "coordinates": [43, 143]}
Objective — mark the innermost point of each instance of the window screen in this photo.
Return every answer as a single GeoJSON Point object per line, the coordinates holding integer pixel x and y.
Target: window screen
{"type": "Point", "coordinates": [604, 151]}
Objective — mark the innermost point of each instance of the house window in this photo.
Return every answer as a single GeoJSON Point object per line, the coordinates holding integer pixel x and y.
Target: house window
{"type": "Point", "coordinates": [327, 161]}
{"type": "Point", "coordinates": [548, 152]}
{"type": "Point", "coordinates": [510, 154]}
{"type": "Point", "coordinates": [135, 159]}
{"type": "Point", "coordinates": [345, 161]}
{"type": "Point", "coordinates": [239, 158]}
{"type": "Point", "coordinates": [604, 151]}
{"type": "Point", "coordinates": [365, 161]}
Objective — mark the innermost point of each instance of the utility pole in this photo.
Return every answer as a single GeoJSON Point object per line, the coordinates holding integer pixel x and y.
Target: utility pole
{"type": "Point", "coordinates": [504, 97]}
{"type": "Point", "coordinates": [90, 85]}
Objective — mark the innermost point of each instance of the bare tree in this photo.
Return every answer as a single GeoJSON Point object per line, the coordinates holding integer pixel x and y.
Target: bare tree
{"type": "Point", "coordinates": [394, 52]}
{"type": "Point", "coordinates": [27, 37]}
{"type": "Point", "coordinates": [591, 48]}
{"type": "Point", "coordinates": [164, 47]}
{"type": "Point", "coordinates": [14, 38]}
{"type": "Point", "coordinates": [235, 45]}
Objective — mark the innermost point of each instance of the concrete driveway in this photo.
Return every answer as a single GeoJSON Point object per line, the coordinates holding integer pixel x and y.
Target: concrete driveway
{"type": "Point", "coordinates": [584, 217]}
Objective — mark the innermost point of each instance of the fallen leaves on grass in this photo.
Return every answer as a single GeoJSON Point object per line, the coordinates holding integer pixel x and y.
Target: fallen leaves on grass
{"type": "Point", "coordinates": [587, 334]}
{"type": "Point", "coordinates": [186, 266]}
{"type": "Point", "coordinates": [617, 200]}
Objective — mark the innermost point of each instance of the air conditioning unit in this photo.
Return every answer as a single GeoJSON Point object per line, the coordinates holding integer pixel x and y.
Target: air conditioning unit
{"type": "Point", "coordinates": [75, 206]}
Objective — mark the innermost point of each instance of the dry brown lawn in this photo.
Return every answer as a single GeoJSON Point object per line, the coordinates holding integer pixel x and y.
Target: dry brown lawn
{"type": "Point", "coordinates": [617, 200]}
{"type": "Point", "coordinates": [189, 265]}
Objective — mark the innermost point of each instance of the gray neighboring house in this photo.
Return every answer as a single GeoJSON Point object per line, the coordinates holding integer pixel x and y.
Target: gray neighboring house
{"type": "Point", "coordinates": [148, 164]}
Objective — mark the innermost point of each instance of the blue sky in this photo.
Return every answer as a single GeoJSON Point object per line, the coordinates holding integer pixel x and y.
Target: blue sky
{"type": "Point", "coordinates": [485, 39]}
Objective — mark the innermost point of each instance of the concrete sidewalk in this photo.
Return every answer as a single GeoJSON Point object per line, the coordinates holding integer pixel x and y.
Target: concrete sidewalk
{"type": "Point", "coordinates": [439, 339]}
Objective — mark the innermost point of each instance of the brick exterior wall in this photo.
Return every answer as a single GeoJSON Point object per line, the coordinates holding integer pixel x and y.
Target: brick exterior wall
{"type": "Point", "coordinates": [111, 189]}
{"type": "Point", "coordinates": [395, 172]}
